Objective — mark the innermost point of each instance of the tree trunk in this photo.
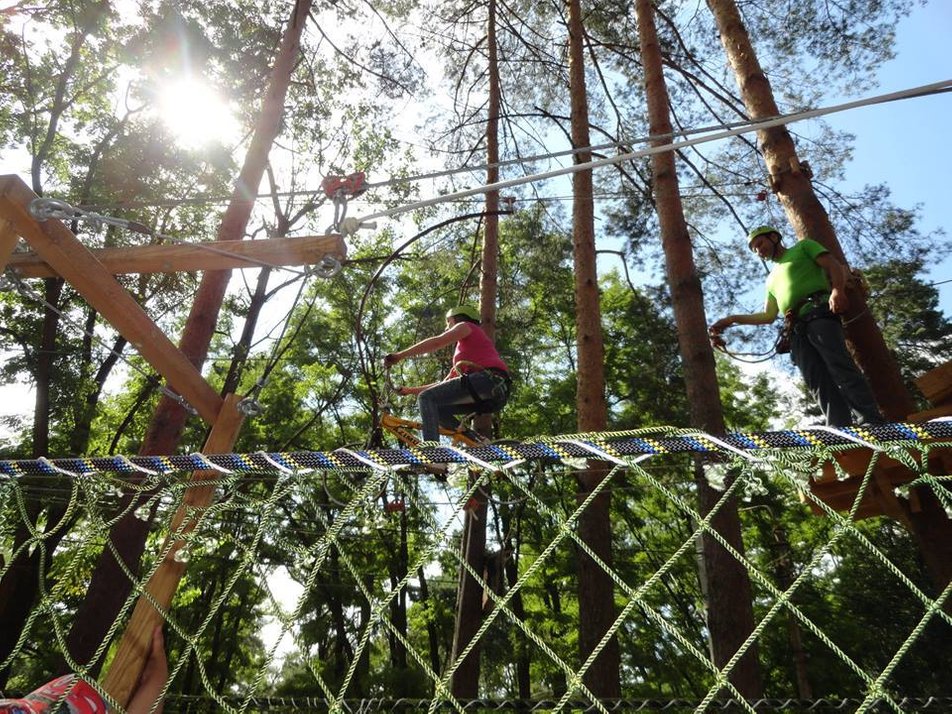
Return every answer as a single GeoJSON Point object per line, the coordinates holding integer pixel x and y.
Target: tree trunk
{"type": "Point", "coordinates": [20, 585]}
{"type": "Point", "coordinates": [109, 586]}
{"type": "Point", "coordinates": [488, 280]}
{"type": "Point", "coordinates": [595, 589]}
{"type": "Point", "coordinates": [52, 290]}
{"type": "Point", "coordinates": [931, 526]}
{"type": "Point", "coordinates": [432, 635]}
{"type": "Point", "coordinates": [243, 347]}
{"type": "Point", "coordinates": [521, 644]}
{"type": "Point", "coordinates": [469, 613]}
{"type": "Point", "coordinates": [398, 610]}
{"type": "Point", "coordinates": [469, 600]}
{"type": "Point", "coordinates": [730, 609]}
{"type": "Point", "coordinates": [785, 576]}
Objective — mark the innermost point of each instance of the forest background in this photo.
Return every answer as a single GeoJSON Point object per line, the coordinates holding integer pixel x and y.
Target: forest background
{"type": "Point", "coordinates": [82, 119]}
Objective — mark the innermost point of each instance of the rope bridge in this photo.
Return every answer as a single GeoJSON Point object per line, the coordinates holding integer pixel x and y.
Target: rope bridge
{"type": "Point", "coordinates": [327, 581]}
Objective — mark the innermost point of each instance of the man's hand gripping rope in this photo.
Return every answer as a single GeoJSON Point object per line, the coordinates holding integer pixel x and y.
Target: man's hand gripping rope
{"type": "Point", "coordinates": [715, 334]}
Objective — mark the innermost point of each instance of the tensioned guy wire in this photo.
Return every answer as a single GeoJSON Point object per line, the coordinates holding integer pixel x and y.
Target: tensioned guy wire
{"type": "Point", "coordinates": [745, 127]}
{"type": "Point", "coordinates": [728, 129]}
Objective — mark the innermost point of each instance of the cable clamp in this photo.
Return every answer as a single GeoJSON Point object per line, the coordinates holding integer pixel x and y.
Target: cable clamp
{"type": "Point", "coordinates": [349, 226]}
{"type": "Point", "coordinates": [45, 208]}
{"type": "Point", "coordinates": [249, 407]}
{"type": "Point", "coordinates": [328, 267]}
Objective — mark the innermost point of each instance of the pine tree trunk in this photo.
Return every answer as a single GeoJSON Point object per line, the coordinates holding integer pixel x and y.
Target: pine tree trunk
{"type": "Point", "coordinates": [20, 585]}
{"type": "Point", "coordinates": [931, 526]}
{"type": "Point", "coordinates": [469, 614]}
{"type": "Point", "coordinates": [595, 589]}
{"type": "Point", "coordinates": [784, 575]}
{"type": "Point", "coordinates": [52, 290]}
{"type": "Point", "coordinates": [109, 586]}
{"type": "Point", "coordinates": [398, 610]}
{"type": "Point", "coordinates": [469, 600]}
{"type": "Point", "coordinates": [730, 601]}
{"type": "Point", "coordinates": [432, 634]}
{"type": "Point", "coordinates": [521, 642]}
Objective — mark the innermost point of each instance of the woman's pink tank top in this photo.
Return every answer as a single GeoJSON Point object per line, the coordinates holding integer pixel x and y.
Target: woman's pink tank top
{"type": "Point", "coordinates": [477, 348]}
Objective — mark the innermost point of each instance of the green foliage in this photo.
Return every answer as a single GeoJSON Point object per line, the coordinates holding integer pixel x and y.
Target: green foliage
{"type": "Point", "coordinates": [907, 311]}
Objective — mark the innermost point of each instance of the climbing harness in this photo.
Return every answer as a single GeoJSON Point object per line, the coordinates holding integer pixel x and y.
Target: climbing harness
{"type": "Point", "coordinates": [501, 389]}
{"type": "Point", "coordinates": [819, 309]}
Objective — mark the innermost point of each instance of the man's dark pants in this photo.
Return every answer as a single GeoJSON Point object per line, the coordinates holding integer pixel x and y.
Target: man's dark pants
{"type": "Point", "coordinates": [818, 348]}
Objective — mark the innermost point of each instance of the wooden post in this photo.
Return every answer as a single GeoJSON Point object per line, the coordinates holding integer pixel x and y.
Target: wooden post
{"type": "Point", "coordinates": [126, 667]}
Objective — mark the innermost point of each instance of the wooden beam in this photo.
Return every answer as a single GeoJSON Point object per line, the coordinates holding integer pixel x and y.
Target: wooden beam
{"type": "Point", "coordinates": [936, 384]}
{"type": "Point", "coordinates": [57, 245]}
{"type": "Point", "coordinates": [8, 241]}
{"type": "Point", "coordinates": [934, 413]}
{"type": "Point", "coordinates": [126, 667]}
{"type": "Point", "coordinates": [211, 255]}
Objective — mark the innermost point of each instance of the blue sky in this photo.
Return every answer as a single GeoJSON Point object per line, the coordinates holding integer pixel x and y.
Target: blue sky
{"type": "Point", "coordinates": [905, 144]}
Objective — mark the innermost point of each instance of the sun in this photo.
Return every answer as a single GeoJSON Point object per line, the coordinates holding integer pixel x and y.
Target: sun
{"type": "Point", "coordinates": [195, 114]}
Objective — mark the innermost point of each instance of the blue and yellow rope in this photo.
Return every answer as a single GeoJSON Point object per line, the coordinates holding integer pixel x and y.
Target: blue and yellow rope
{"type": "Point", "coordinates": [551, 449]}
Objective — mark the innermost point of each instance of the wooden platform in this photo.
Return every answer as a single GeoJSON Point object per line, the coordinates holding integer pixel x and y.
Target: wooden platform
{"type": "Point", "coordinates": [879, 498]}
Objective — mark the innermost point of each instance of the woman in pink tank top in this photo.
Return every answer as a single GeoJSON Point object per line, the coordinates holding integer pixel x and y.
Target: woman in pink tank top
{"type": "Point", "coordinates": [479, 380]}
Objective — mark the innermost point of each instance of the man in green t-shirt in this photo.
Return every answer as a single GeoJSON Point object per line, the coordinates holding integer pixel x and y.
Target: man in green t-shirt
{"type": "Point", "coordinates": [808, 285]}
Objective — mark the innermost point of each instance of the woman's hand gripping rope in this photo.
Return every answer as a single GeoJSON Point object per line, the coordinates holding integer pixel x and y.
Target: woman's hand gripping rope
{"type": "Point", "coordinates": [717, 339]}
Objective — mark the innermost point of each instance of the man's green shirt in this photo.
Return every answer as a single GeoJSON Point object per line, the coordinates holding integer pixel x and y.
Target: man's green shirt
{"type": "Point", "coordinates": [796, 274]}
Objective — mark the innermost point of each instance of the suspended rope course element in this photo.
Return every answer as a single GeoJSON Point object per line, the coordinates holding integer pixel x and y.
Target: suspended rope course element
{"type": "Point", "coordinates": [374, 558]}
{"type": "Point", "coordinates": [611, 446]}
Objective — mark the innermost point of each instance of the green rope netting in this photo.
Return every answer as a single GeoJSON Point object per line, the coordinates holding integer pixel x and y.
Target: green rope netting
{"type": "Point", "coordinates": [336, 588]}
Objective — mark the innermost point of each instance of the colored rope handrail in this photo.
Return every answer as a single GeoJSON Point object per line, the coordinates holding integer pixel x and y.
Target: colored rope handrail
{"type": "Point", "coordinates": [551, 449]}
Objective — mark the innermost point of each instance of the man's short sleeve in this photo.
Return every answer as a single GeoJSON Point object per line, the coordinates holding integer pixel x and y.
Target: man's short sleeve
{"type": "Point", "coordinates": [812, 248]}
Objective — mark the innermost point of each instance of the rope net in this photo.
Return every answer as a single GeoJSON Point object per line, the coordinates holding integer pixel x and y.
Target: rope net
{"type": "Point", "coordinates": [331, 581]}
